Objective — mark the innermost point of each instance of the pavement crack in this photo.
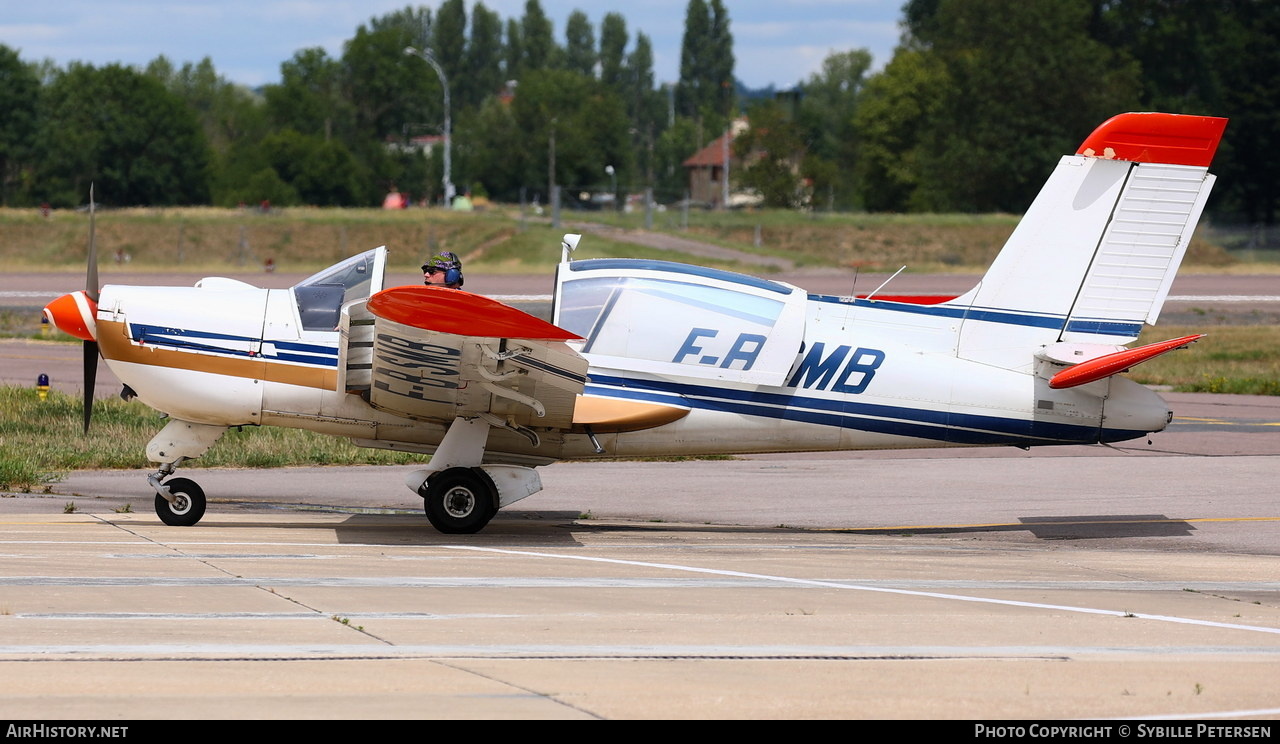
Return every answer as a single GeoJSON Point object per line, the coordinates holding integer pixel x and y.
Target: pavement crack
{"type": "Point", "coordinates": [209, 563]}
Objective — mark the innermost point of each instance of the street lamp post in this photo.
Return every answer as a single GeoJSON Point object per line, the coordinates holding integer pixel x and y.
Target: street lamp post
{"type": "Point", "coordinates": [613, 185]}
{"type": "Point", "coordinates": [444, 83]}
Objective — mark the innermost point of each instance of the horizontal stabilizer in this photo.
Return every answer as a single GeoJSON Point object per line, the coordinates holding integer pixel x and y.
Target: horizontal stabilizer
{"type": "Point", "coordinates": [1110, 364]}
{"type": "Point", "coordinates": [445, 310]}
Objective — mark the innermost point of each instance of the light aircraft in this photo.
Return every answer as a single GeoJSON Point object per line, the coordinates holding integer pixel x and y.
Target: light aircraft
{"type": "Point", "coordinates": [652, 358]}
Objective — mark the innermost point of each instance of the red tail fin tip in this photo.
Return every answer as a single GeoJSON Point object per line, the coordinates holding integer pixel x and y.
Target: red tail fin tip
{"type": "Point", "coordinates": [1175, 139]}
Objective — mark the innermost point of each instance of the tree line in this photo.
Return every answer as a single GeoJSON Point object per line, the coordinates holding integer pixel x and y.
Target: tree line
{"type": "Point", "coordinates": [978, 100]}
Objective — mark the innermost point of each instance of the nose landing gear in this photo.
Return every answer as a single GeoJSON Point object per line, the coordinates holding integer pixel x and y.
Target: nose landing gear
{"type": "Point", "coordinates": [179, 501]}
{"type": "Point", "coordinates": [187, 504]}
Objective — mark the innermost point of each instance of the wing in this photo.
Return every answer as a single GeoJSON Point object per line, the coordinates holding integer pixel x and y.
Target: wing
{"type": "Point", "coordinates": [439, 354]}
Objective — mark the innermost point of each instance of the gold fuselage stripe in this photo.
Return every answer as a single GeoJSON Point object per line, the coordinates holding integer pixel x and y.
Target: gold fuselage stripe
{"type": "Point", "coordinates": [115, 344]}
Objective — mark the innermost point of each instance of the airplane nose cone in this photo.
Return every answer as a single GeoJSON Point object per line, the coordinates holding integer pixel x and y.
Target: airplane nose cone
{"type": "Point", "coordinates": [75, 315]}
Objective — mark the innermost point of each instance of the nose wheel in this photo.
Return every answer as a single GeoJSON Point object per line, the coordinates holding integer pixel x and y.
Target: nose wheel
{"type": "Point", "coordinates": [187, 506]}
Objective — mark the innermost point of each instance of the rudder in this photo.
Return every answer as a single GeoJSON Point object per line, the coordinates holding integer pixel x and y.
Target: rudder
{"type": "Point", "coordinates": [1095, 255]}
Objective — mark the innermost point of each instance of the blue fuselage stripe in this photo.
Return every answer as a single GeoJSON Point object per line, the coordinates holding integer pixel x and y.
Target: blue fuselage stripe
{"type": "Point", "coordinates": [936, 425]}
{"type": "Point", "coordinates": [992, 315]}
{"type": "Point", "coordinates": [181, 339]}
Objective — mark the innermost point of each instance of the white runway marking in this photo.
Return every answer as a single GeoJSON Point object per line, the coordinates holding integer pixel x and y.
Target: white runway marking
{"type": "Point", "coordinates": [866, 588]}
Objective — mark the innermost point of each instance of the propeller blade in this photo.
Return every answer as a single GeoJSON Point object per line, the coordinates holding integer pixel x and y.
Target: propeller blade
{"type": "Point", "coordinates": [90, 379]}
{"type": "Point", "coordinates": [91, 273]}
{"type": "Point", "coordinates": [91, 289]}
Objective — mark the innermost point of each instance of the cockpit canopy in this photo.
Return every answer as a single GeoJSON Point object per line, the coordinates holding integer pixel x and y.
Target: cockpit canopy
{"type": "Point", "coordinates": [320, 297]}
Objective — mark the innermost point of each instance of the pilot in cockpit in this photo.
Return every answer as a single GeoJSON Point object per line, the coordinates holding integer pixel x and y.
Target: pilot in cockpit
{"type": "Point", "coordinates": [443, 270]}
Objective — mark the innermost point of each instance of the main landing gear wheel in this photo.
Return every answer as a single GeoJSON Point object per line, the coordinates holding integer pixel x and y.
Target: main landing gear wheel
{"type": "Point", "coordinates": [187, 506]}
{"type": "Point", "coordinates": [459, 501]}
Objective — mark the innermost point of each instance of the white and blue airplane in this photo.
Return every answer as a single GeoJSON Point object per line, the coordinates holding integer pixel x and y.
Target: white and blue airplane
{"type": "Point", "coordinates": [652, 358]}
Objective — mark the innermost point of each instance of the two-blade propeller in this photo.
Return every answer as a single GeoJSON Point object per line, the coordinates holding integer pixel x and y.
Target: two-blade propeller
{"type": "Point", "coordinates": [76, 314]}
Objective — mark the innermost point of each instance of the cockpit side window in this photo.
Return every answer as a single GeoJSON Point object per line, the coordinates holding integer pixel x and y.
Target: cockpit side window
{"type": "Point", "coordinates": [641, 318]}
{"type": "Point", "coordinates": [320, 297]}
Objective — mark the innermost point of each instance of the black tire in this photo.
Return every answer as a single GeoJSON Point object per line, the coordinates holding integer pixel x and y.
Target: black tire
{"type": "Point", "coordinates": [459, 501]}
{"type": "Point", "coordinates": [186, 509]}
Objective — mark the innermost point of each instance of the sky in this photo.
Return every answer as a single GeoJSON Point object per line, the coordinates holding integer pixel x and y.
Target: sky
{"type": "Point", "coordinates": [776, 42]}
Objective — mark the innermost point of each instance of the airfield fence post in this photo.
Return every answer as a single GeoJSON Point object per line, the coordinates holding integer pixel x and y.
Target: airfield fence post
{"type": "Point", "coordinates": [555, 206]}
{"type": "Point", "coordinates": [243, 256]}
{"type": "Point", "coordinates": [181, 226]}
{"type": "Point", "coordinates": [684, 212]}
{"type": "Point", "coordinates": [756, 240]}
{"type": "Point", "coordinates": [648, 208]}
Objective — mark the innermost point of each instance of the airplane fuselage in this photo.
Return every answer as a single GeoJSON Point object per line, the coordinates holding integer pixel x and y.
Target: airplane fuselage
{"type": "Point", "coordinates": [861, 374]}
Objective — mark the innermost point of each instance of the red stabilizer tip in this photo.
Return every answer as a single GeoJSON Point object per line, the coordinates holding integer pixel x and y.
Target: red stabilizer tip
{"type": "Point", "coordinates": [1105, 366]}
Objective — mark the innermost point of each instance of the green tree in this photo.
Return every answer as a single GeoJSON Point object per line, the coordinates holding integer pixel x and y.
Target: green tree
{"type": "Point", "coordinates": [706, 62]}
{"type": "Point", "coordinates": [386, 89]}
{"type": "Point", "coordinates": [513, 51]}
{"type": "Point", "coordinates": [537, 38]}
{"type": "Point", "coordinates": [719, 71]}
{"type": "Point", "coordinates": [673, 146]}
{"type": "Point", "coordinates": [392, 96]}
{"type": "Point", "coordinates": [483, 76]}
{"type": "Point", "coordinates": [646, 108]}
{"type": "Point", "coordinates": [773, 149]}
{"type": "Point", "coordinates": [309, 98]}
{"type": "Point", "coordinates": [637, 85]}
{"type": "Point", "coordinates": [691, 93]}
{"type": "Point", "coordinates": [121, 130]}
{"type": "Point", "coordinates": [1212, 57]}
{"type": "Point", "coordinates": [323, 173]}
{"type": "Point", "coordinates": [263, 186]}
{"type": "Point", "coordinates": [894, 108]}
{"type": "Point", "coordinates": [613, 47]}
{"type": "Point", "coordinates": [1175, 48]}
{"type": "Point", "coordinates": [19, 94]}
{"type": "Point", "coordinates": [590, 126]}
{"type": "Point", "coordinates": [228, 114]}
{"type": "Point", "coordinates": [1036, 78]}
{"type": "Point", "coordinates": [1250, 75]}
{"type": "Point", "coordinates": [485, 153]}
{"type": "Point", "coordinates": [826, 114]}
{"type": "Point", "coordinates": [225, 110]}
{"type": "Point", "coordinates": [448, 45]}
{"type": "Point", "coordinates": [580, 44]}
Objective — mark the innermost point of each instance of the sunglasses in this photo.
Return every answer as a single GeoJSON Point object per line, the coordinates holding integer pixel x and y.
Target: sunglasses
{"type": "Point", "coordinates": [430, 270]}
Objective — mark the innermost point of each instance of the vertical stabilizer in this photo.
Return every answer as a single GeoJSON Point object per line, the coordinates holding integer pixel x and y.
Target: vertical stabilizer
{"type": "Point", "coordinates": [1095, 255]}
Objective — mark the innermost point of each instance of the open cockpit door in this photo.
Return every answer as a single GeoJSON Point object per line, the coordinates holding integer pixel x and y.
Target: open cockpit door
{"type": "Point", "coordinates": [322, 295]}
{"type": "Point", "coordinates": [302, 323]}
{"type": "Point", "coordinates": [674, 319]}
